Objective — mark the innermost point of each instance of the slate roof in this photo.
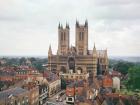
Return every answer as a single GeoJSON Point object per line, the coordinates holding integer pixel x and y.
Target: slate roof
{"type": "Point", "coordinates": [51, 77]}
{"type": "Point", "coordinates": [7, 73]}
{"type": "Point", "coordinates": [13, 91]}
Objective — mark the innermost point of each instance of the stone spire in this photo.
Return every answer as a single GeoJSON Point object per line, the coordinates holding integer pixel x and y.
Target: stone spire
{"type": "Point", "coordinates": [94, 61]}
{"type": "Point", "coordinates": [106, 61]}
{"type": "Point", "coordinates": [77, 23]}
{"type": "Point", "coordinates": [50, 51]}
{"type": "Point", "coordinates": [94, 50]}
{"type": "Point", "coordinates": [59, 26]}
{"type": "Point", "coordinates": [67, 26]}
{"type": "Point", "coordinates": [86, 23]}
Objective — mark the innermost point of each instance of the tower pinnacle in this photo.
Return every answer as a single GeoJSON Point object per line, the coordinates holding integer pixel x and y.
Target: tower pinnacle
{"type": "Point", "coordinates": [50, 51]}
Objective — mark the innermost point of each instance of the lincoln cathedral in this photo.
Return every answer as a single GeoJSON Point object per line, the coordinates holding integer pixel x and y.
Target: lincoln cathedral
{"type": "Point", "coordinates": [78, 57]}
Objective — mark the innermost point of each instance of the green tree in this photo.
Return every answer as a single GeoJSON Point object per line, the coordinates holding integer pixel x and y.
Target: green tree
{"type": "Point", "coordinates": [22, 60]}
{"type": "Point", "coordinates": [63, 83]}
{"type": "Point", "coordinates": [32, 59]}
{"type": "Point", "coordinates": [123, 66]}
{"type": "Point", "coordinates": [1, 85]}
{"type": "Point", "coordinates": [134, 77]}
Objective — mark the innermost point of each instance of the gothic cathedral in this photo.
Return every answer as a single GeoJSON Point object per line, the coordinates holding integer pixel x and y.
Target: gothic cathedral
{"type": "Point", "coordinates": [78, 57]}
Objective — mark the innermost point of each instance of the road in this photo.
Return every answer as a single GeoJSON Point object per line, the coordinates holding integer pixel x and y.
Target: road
{"type": "Point", "coordinates": [54, 102]}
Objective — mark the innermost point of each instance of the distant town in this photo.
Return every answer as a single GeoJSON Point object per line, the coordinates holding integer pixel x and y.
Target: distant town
{"type": "Point", "coordinates": [75, 75]}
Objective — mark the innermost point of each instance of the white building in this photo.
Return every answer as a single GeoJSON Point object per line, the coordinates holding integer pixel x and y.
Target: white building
{"type": "Point", "coordinates": [116, 83]}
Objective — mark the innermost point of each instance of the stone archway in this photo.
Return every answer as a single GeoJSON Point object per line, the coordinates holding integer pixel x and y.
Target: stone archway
{"type": "Point", "coordinates": [63, 69]}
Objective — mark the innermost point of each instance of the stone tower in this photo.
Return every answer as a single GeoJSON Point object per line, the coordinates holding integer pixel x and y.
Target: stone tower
{"type": "Point", "coordinates": [81, 38]}
{"type": "Point", "coordinates": [95, 58]}
{"type": "Point", "coordinates": [63, 39]}
{"type": "Point", "coordinates": [49, 58]}
{"type": "Point", "coordinates": [106, 62]}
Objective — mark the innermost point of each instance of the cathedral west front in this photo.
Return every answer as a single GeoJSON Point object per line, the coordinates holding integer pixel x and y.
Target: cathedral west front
{"type": "Point", "coordinates": [78, 57]}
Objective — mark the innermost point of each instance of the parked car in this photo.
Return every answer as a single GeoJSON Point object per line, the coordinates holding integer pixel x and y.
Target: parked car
{"type": "Point", "coordinates": [57, 98]}
{"type": "Point", "coordinates": [60, 100]}
{"type": "Point", "coordinates": [62, 93]}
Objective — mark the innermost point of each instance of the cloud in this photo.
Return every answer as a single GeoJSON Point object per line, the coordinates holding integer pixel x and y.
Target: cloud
{"type": "Point", "coordinates": [27, 27]}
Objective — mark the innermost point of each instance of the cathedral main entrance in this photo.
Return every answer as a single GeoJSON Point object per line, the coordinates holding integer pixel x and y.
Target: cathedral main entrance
{"type": "Point", "coordinates": [71, 64]}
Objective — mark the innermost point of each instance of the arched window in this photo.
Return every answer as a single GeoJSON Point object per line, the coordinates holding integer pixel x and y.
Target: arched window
{"type": "Point", "coordinates": [61, 36]}
{"type": "Point", "coordinates": [64, 36]}
{"type": "Point", "coordinates": [81, 36]}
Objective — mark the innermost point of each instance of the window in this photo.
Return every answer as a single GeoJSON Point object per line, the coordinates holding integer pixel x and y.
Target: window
{"type": "Point", "coordinates": [61, 36]}
{"type": "Point", "coordinates": [64, 35]}
{"type": "Point", "coordinates": [81, 36]}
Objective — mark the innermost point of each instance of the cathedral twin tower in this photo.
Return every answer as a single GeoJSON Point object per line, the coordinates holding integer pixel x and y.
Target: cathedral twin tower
{"type": "Point", "coordinates": [81, 36]}
{"type": "Point", "coordinates": [78, 56]}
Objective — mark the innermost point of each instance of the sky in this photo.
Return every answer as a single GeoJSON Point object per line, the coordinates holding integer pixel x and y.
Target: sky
{"type": "Point", "coordinates": [28, 27]}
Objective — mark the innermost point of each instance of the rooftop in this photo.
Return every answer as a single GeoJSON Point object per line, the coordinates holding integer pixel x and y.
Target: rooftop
{"type": "Point", "coordinates": [13, 91]}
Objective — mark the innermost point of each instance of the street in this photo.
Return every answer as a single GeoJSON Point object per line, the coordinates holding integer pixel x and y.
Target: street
{"type": "Point", "coordinates": [52, 100]}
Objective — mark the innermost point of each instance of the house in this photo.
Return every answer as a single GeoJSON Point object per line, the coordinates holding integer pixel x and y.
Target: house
{"type": "Point", "coordinates": [107, 82]}
{"type": "Point", "coordinates": [34, 92]}
{"type": "Point", "coordinates": [14, 96]}
{"type": "Point", "coordinates": [116, 83]}
{"type": "Point", "coordinates": [43, 93]}
{"type": "Point", "coordinates": [54, 83]}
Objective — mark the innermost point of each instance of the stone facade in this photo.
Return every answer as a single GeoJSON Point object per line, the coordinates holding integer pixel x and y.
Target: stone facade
{"type": "Point", "coordinates": [71, 77]}
{"type": "Point", "coordinates": [79, 56]}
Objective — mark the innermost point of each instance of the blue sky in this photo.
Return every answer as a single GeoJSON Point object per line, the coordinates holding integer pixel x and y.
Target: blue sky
{"type": "Point", "coordinates": [27, 27]}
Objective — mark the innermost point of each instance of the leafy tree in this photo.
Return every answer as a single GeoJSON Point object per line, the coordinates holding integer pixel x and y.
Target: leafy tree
{"type": "Point", "coordinates": [32, 59]}
{"type": "Point", "coordinates": [63, 83]}
{"type": "Point", "coordinates": [1, 85]}
{"type": "Point", "coordinates": [38, 66]}
{"type": "Point", "coordinates": [123, 66]}
{"type": "Point", "coordinates": [134, 77]}
{"type": "Point", "coordinates": [22, 60]}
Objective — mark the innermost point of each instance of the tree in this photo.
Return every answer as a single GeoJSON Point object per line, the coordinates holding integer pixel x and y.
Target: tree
{"type": "Point", "coordinates": [38, 66]}
{"type": "Point", "coordinates": [32, 59]}
{"type": "Point", "coordinates": [1, 85]}
{"type": "Point", "coordinates": [123, 66]}
{"type": "Point", "coordinates": [134, 77]}
{"type": "Point", "coordinates": [22, 60]}
{"type": "Point", "coordinates": [63, 83]}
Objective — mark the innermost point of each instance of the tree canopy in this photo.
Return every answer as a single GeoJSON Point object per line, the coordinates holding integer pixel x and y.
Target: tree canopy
{"type": "Point", "coordinates": [123, 66]}
{"type": "Point", "coordinates": [134, 77]}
